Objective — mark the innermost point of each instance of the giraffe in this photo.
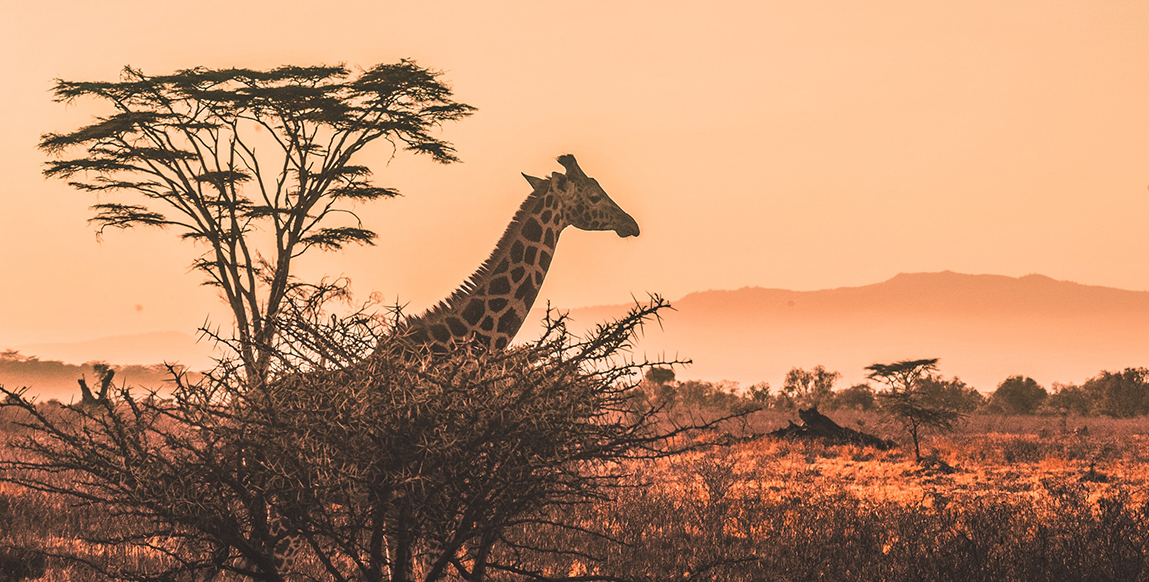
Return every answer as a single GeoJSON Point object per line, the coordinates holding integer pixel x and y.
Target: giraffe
{"type": "Point", "coordinates": [490, 307]}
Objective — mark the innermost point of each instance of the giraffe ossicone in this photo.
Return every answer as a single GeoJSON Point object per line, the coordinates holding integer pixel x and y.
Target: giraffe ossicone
{"type": "Point", "coordinates": [488, 309]}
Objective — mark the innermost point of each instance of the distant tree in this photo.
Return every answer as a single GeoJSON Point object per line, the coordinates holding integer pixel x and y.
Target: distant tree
{"type": "Point", "coordinates": [856, 397]}
{"type": "Point", "coordinates": [905, 401]}
{"type": "Point", "coordinates": [181, 151]}
{"type": "Point", "coordinates": [657, 375]}
{"type": "Point", "coordinates": [104, 375]}
{"type": "Point", "coordinates": [952, 393]}
{"type": "Point", "coordinates": [1120, 394]}
{"type": "Point", "coordinates": [56, 376]}
{"type": "Point", "coordinates": [1019, 395]}
{"type": "Point", "coordinates": [1071, 399]}
{"type": "Point", "coordinates": [659, 386]}
{"type": "Point", "coordinates": [809, 388]}
{"type": "Point", "coordinates": [719, 396]}
{"type": "Point", "coordinates": [759, 392]}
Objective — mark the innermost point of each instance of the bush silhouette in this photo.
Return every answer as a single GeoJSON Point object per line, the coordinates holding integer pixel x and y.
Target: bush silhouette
{"type": "Point", "coordinates": [401, 463]}
{"type": "Point", "coordinates": [1019, 395]}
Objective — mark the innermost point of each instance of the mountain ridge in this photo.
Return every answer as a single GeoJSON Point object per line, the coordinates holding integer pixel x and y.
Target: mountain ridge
{"type": "Point", "coordinates": [983, 327]}
{"type": "Point", "coordinates": [146, 348]}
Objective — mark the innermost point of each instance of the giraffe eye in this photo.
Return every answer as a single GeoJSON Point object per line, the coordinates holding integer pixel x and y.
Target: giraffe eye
{"type": "Point", "coordinates": [595, 198]}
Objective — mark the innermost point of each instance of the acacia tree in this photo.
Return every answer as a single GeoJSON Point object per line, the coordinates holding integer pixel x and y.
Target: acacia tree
{"type": "Point", "coordinates": [906, 401]}
{"type": "Point", "coordinates": [180, 151]}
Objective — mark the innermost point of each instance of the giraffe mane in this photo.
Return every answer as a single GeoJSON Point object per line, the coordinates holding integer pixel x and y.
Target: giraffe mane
{"type": "Point", "coordinates": [525, 209]}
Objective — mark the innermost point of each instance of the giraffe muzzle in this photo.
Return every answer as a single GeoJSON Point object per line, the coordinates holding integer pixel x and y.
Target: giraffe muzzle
{"type": "Point", "coordinates": [627, 226]}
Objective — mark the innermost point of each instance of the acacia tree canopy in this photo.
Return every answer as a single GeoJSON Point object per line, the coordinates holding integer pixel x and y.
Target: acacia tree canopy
{"type": "Point", "coordinates": [907, 402]}
{"type": "Point", "coordinates": [901, 376]}
{"type": "Point", "coordinates": [180, 151]}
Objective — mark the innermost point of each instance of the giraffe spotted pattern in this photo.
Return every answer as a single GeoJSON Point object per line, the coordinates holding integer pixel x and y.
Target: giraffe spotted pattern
{"type": "Point", "coordinates": [490, 307]}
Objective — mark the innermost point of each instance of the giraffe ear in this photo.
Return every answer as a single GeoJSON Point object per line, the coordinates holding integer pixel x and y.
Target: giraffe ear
{"type": "Point", "coordinates": [533, 181]}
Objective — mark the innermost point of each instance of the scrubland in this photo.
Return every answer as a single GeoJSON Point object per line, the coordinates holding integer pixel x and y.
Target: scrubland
{"type": "Point", "coordinates": [1030, 498]}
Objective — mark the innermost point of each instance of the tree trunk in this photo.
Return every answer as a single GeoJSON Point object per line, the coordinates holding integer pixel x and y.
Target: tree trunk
{"type": "Point", "coordinates": [917, 446]}
{"type": "Point", "coordinates": [401, 554]}
{"type": "Point", "coordinates": [378, 550]}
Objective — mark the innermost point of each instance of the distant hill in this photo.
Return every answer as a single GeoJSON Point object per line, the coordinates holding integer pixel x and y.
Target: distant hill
{"type": "Point", "coordinates": [142, 349]}
{"type": "Point", "coordinates": [47, 379]}
{"type": "Point", "coordinates": [983, 327]}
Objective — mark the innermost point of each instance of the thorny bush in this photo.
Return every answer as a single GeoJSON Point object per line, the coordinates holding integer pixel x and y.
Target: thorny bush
{"type": "Point", "coordinates": [398, 466]}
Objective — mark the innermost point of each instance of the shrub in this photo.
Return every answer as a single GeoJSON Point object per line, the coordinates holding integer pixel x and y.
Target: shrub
{"type": "Point", "coordinates": [19, 564]}
{"type": "Point", "coordinates": [856, 397]}
{"type": "Point", "coordinates": [1072, 400]}
{"type": "Point", "coordinates": [952, 394]}
{"type": "Point", "coordinates": [1019, 395]}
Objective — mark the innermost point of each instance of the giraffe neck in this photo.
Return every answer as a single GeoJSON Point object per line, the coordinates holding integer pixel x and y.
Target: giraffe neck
{"type": "Point", "coordinates": [492, 305]}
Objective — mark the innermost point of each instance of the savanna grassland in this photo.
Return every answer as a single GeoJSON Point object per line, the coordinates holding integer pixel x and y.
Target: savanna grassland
{"type": "Point", "coordinates": [1030, 498]}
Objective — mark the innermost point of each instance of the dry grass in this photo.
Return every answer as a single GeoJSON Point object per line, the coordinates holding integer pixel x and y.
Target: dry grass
{"type": "Point", "coordinates": [993, 455]}
{"type": "Point", "coordinates": [1031, 500]}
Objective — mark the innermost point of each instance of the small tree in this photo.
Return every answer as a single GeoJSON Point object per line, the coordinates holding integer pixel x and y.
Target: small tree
{"type": "Point", "coordinates": [1019, 395]}
{"type": "Point", "coordinates": [906, 402]}
{"type": "Point", "coordinates": [809, 388]}
{"type": "Point", "coordinates": [759, 393]}
{"type": "Point", "coordinates": [181, 149]}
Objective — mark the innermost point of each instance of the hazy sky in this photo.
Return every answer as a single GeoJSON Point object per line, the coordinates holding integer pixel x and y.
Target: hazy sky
{"type": "Point", "coordinates": [799, 145]}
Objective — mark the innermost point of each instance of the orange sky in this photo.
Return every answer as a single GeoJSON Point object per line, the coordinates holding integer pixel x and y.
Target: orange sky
{"type": "Point", "coordinates": [797, 145]}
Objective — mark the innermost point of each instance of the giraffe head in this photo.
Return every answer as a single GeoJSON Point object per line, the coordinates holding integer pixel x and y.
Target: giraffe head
{"type": "Point", "coordinates": [584, 203]}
